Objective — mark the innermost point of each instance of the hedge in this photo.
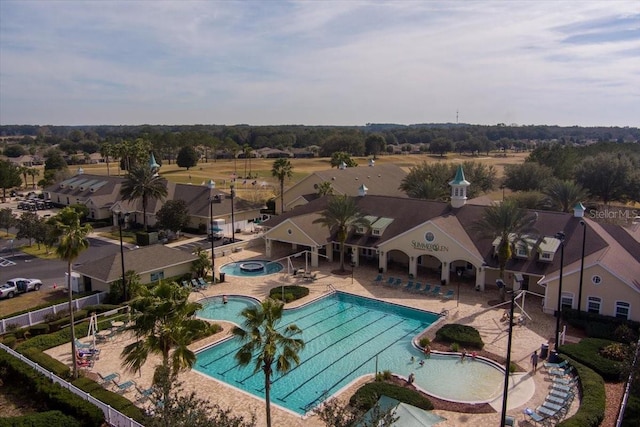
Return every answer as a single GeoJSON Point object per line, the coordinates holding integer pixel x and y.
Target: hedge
{"type": "Point", "coordinates": [291, 293]}
{"type": "Point", "coordinates": [464, 335]}
{"type": "Point", "coordinates": [592, 405]}
{"type": "Point", "coordinates": [116, 401]}
{"type": "Point", "coordinates": [41, 419]}
{"type": "Point", "coordinates": [41, 389]}
{"type": "Point", "coordinates": [62, 299]}
{"type": "Point", "coordinates": [367, 396]}
{"type": "Point", "coordinates": [48, 362]}
{"type": "Point", "coordinates": [587, 352]}
{"type": "Point", "coordinates": [599, 326]}
{"type": "Point", "coordinates": [632, 412]}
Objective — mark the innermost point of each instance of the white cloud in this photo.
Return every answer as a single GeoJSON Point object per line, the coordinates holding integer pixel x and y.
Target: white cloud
{"type": "Point", "coordinates": [349, 62]}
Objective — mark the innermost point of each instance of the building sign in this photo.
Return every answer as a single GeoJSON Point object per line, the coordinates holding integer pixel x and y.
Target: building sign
{"type": "Point", "coordinates": [431, 247]}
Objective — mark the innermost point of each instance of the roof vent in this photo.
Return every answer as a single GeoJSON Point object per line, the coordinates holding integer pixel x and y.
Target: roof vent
{"type": "Point", "coordinates": [578, 210]}
{"type": "Point", "coordinates": [372, 163]}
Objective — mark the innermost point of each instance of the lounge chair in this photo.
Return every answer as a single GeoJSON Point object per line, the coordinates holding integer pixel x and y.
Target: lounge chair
{"type": "Point", "coordinates": [397, 283]}
{"type": "Point", "coordinates": [390, 281]}
{"type": "Point", "coordinates": [562, 372]}
{"type": "Point", "coordinates": [566, 395]}
{"type": "Point", "coordinates": [106, 379]}
{"type": "Point", "coordinates": [426, 290]}
{"type": "Point", "coordinates": [123, 387]}
{"type": "Point", "coordinates": [449, 294]}
{"type": "Point", "coordinates": [564, 381]}
{"type": "Point", "coordinates": [510, 421]}
{"type": "Point", "coordinates": [203, 283]}
{"type": "Point", "coordinates": [194, 284]}
{"type": "Point", "coordinates": [408, 286]}
{"type": "Point", "coordinates": [417, 288]}
{"type": "Point", "coordinates": [435, 292]}
{"type": "Point", "coordinates": [561, 387]}
{"type": "Point", "coordinates": [83, 345]}
{"type": "Point", "coordinates": [378, 279]}
{"type": "Point", "coordinates": [84, 363]}
{"type": "Point", "coordinates": [185, 284]}
{"type": "Point", "coordinates": [547, 412]}
{"type": "Point", "coordinates": [557, 400]}
{"type": "Point", "coordinates": [560, 365]}
{"type": "Point", "coordinates": [145, 394]}
{"type": "Point", "coordinates": [535, 417]}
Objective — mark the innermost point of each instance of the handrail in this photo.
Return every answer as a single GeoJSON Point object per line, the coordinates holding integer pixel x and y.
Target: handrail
{"type": "Point", "coordinates": [627, 389]}
{"type": "Point", "coordinates": [112, 416]}
{"type": "Point", "coordinates": [330, 288]}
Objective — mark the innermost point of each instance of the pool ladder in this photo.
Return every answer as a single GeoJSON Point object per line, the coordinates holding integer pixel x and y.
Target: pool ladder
{"type": "Point", "coordinates": [330, 288]}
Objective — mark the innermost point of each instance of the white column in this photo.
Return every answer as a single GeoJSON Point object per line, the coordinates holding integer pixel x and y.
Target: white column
{"type": "Point", "coordinates": [444, 274]}
{"type": "Point", "coordinates": [480, 278]}
{"type": "Point", "coordinates": [267, 249]}
{"type": "Point", "coordinates": [314, 257]}
{"type": "Point", "coordinates": [382, 261]}
{"type": "Point", "coordinates": [413, 266]}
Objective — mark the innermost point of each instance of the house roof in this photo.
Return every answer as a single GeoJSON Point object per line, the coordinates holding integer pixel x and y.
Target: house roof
{"type": "Point", "coordinates": [620, 247]}
{"type": "Point", "coordinates": [142, 260]}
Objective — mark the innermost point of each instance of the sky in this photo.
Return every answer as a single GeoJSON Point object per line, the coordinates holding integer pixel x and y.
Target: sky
{"type": "Point", "coordinates": [320, 62]}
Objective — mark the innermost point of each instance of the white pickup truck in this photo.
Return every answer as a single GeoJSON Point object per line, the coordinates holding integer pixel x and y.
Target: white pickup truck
{"type": "Point", "coordinates": [18, 286]}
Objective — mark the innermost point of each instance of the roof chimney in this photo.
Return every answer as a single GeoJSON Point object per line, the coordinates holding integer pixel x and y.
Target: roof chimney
{"type": "Point", "coordinates": [362, 190]}
{"type": "Point", "coordinates": [372, 163]}
{"type": "Point", "coordinates": [578, 210]}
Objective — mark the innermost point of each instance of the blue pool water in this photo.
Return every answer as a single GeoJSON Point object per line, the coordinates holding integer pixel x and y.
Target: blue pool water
{"type": "Point", "coordinates": [345, 335]}
{"type": "Point", "coordinates": [214, 308]}
{"type": "Point", "coordinates": [252, 268]}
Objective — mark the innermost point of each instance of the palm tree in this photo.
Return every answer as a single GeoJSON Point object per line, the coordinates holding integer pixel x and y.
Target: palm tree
{"type": "Point", "coordinates": [247, 152]}
{"type": "Point", "coordinates": [342, 214]}
{"type": "Point", "coordinates": [262, 337]}
{"type": "Point", "coordinates": [163, 323]}
{"type": "Point", "coordinates": [564, 195]}
{"type": "Point", "coordinates": [428, 190]}
{"type": "Point", "coordinates": [73, 241]}
{"type": "Point", "coordinates": [143, 183]}
{"type": "Point", "coordinates": [107, 151]}
{"type": "Point", "coordinates": [324, 188]}
{"type": "Point", "coordinates": [33, 172]}
{"type": "Point", "coordinates": [511, 224]}
{"type": "Point", "coordinates": [24, 171]}
{"type": "Point", "coordinates": [282, 169]}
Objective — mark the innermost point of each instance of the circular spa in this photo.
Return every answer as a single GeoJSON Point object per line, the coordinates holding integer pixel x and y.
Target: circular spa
{"type": "Point", "coordinates": [346, 337]}
{"type": "Point", "coordinates": [251, 268]}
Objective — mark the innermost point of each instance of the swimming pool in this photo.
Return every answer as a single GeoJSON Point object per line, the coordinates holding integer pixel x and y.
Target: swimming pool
{"type": "Point", "coordinates": [251, 268]}
{"type": "Point", "coordinates": [346, 337]}
{"type": "Point", "coordinates": [214, 307]}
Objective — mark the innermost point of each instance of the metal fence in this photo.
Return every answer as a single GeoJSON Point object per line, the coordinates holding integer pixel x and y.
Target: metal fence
{"type": "Point", "coordinates": [38, 316]}
{"type": "Point", "coordinates": [112, 416]}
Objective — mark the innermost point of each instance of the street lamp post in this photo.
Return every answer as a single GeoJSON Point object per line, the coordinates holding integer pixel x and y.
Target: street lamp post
{"type": "Point", "coordinates": [508, 362]}
{"type": "Point", "coordinates": [233, 223]}
{"type": "Point", "coordinates": [212, 186]}
{"type": "Point", "coordinates": [584, 239]}
{"type": "Point", "coordinates": [560, 236]}
{"type": "Point", "coordinates": [121, 218]}
{"type": "Point", "coordinates": [459, 273]}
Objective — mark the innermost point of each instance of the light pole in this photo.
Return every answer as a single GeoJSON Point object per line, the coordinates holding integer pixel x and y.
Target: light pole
{"type": "Point", "coordinates": [584, 239]}
{"type": "Point", "coordinates": [508, 363]}
{"type": "Point", "coordinates": [560, 236]}
{"type": "Point", "coordinates": [212, 186]}
{"type": "Point", "coordinates": [121, 218]}
{"type": "Point", "coordinates": [232, 188]}
{"type": "Point", "coordinates": [459, 273]}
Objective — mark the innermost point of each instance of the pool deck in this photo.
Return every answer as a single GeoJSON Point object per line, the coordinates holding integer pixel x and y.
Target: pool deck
{"type": "Point", "coordinates": [526, 390]}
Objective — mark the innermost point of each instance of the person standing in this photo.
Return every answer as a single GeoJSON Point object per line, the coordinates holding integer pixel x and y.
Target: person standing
{"type": "Point", "coordinates": [534, 361]}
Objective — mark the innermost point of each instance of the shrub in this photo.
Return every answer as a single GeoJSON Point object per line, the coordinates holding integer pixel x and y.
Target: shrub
{"type": "Point", "coordinates": [101, 308]}
{"type": "Point", "coordinates": [591, 410]}
{"type": "Point", "coordinates": [383, 376]}
{"type": "Point", "coordinates": [455, 347]}
{"type": "Point", "coordinates": [587, 352]}
{"type": "Point", "coordinates": [367, 396]}
{"type": "Point", "coordinates": [40, 389]}
{"type": "Point", "coordinates": [291, 293]}
{"type": "Point", "coordinates": [625, 334]}
{"type": "Point", "coordinates": [424, 341]}
{"type": "Point", "coordinates": [599, 326]}
{"type": "Point", "coordinates": [616, 351]}
{"type": "Point", "coordinates": [43, 419]}
{"type": "Point", "coordinates": [39, 329]}
{"type": "Point", "coordinates": [464, 335]}
{"type": "Point", "coordinates": [10, 340]}
{"type": "Point", "coordinates": [112, 399]}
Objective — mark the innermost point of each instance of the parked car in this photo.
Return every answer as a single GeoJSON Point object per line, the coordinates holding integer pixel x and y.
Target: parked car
{"type": "Point", "coordinates": [8, 290]}
{"type": "Point", "coordinates": [25, 285]}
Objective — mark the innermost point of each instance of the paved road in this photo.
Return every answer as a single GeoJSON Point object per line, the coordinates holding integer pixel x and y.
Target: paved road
{"type": "Point", "coordinates": [51, 271]}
